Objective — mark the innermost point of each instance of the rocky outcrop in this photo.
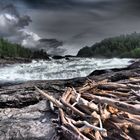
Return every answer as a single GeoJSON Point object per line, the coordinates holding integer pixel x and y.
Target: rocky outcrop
{"type": "Point", "coordinates": [85, 52]}
{"type": "Point", "coordinates": [25, 114]}
{"type": "Point", "coordinates": [7, 60]}
{"type": "Point", "coordinates": [57, 57]}
{"type": "Point", "coordinates": [31, 122]}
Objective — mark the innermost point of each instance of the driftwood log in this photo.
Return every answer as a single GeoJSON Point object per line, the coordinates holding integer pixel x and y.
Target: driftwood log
{"type": "Point", "coordinates": [25, 115]}
{"type": "Point", "coordinates": [99, 110]}
{"type": "Point", "coordinates": [93, 107]}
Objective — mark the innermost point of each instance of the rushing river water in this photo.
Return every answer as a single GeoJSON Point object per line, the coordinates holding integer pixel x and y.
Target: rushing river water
{"type": "Point", "coordinates": [58, 69]}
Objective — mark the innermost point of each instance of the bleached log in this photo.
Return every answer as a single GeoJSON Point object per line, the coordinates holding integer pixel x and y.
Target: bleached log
{"type": "Point", "coordinates": [134, 109]}
{"type": "Point", "coordinates": [98, 136]}
{"type": "Point", "coordinates": [66, 94]}
{"type": "Point", "coordinates": [86, 103]}
{"type": "Point", "coordinates": [88, 87]}
{"type": "Point", "coordinates": [112, 86]}
{"type": "Point", "coordinates": [136, 93]}
{"type": "Point", "coordinates": [117, 93]}
{"type": "Point", "coordinates": [134, 80]}
{"type": "Point", "coordinates": [50, 98]}
{"type": "Point", "coordinates": [62, 105]}
{"type": "Point", "coordinates": [73, 108]}
{"type": "Point", "coordinates": [88, 125]}
{"type": "Point", "coordinates": [104, 113]}
{"type": "Point", "coordinates": [133, 86]}
{"type": "Point", "coordinates": [69, 130]}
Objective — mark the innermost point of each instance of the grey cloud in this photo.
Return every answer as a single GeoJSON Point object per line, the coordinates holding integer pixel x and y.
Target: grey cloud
{"type": "Point", "coordinates": [24, 21]}
{"type": "Point", "coordinates": [133, 7]}
{"type": "Point", "coordinates": [81, 22]}
{"type": "Point", "coordinates": [63, 4]}
{"type": "Point", "coordinates": [87, 21]}
{"type": "Point", "coordinates": [12, 23]}
{"type": "Point", "coordinates": [53, 46]}
{"type": "Point", "coordinates": [14, 27]}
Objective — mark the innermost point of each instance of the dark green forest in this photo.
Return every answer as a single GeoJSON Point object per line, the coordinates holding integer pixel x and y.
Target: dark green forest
{"type": "Point", "coordinates": [123, 46]}
{"type": "Point", "coordinates": [8, 49]}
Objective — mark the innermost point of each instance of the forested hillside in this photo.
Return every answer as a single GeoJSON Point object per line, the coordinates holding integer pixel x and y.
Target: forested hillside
{"type": "Point", "coordinates": [8, 49]}
{"type": "Point", "coordinates": [122, 46]}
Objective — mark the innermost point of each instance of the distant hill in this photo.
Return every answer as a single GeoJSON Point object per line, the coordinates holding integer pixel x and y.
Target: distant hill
{"type": "Point", "coordinates": [8, 49]}
{"type": "Point", "coordinates": [123, 46]}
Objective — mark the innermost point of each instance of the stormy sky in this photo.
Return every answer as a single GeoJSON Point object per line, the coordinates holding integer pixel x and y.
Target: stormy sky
{"type": "Point", "coordinates": [75, 22]}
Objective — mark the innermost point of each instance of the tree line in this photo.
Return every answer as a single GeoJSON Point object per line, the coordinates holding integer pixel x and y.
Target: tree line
{"type": "Point", "coordinates": [123, 46]}
{"type": "Point", "coordinates": [8, 49]}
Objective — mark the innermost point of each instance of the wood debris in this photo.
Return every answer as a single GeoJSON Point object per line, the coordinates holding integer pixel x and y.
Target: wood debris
{"type": "Point", "coordinates": [99, 110]}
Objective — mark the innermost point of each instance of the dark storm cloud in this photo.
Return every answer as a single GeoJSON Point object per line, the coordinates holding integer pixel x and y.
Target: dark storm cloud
{"type": "Point", "coordinates": [81, 22]}
{"type": "Point", "coordinates": [133, 6]}
{"type": "Point", "coordinates": [13, 25]}
{"type": "Point", "coordinates": [64, 4]}
{"type": "Point", "coordinates": [11, 22]}
{"type": "Point", "coordinates": [128, 5]}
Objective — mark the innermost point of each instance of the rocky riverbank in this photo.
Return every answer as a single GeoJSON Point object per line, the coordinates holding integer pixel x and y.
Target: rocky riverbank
{"type": "Point", "coordinates": [18, 60]}
{"type": "Point", "coordinates": [7, 60]}
{"type": "Point", "coordinates": [25, 114]}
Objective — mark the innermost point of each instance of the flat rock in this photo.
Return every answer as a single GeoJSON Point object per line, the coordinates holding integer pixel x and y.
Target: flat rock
{"type": "Point", "coordinates": [32, 122]}
{"type": "Point", "coordinates": [25, 115]}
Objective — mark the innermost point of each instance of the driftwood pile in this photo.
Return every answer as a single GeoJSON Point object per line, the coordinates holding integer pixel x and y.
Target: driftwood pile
{"type": "Point", "coordinates": [100, 110]}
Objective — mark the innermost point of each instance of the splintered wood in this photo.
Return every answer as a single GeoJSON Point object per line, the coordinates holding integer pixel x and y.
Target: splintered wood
{"type": "Point", "coordinates": [99, 110]}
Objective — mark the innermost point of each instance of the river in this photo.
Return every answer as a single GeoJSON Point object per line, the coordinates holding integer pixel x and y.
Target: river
{"type": "Point", "coordinates": [58, 69]}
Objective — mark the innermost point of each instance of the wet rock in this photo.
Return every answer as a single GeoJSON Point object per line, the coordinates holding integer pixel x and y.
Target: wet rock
{"type": "Point", "coordinates": [134, 65]}
{"type": "Point", "coordinates": [26, 115]}
{"type": "Point", "coordinates": [118, 76]}
{"type": "Point", "coordinates": [7, 60]}
{"type": "Point", "coordinates": [104, 71]}
{"type": "Point", "coordinates": [99, 72]}
{"type": "Point", "coordinates": [32, 122]}
{"type": "Point", "coordinates": [18, 98]}
{"type": "Point", "coordinates": [58, 57]}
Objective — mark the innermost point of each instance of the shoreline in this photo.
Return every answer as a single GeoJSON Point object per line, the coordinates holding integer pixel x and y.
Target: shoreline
{"type": "Point", "coordinates": [30, 114]}
{"type": "Point", "coordinates": [7, 60]}
{"type": "Point", "coordinates": [134, 64]}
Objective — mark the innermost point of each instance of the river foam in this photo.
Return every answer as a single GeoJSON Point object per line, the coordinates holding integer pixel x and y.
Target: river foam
{"type": "Point", "coordinates": [58, 69]}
